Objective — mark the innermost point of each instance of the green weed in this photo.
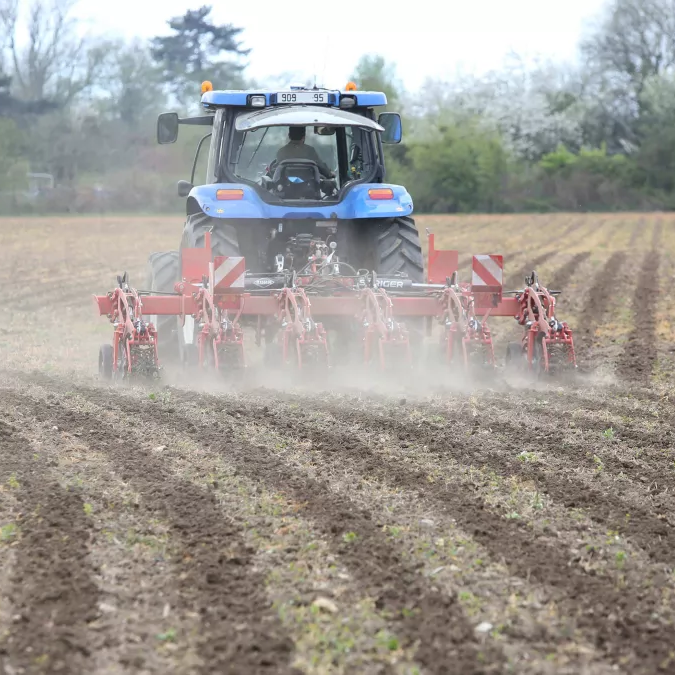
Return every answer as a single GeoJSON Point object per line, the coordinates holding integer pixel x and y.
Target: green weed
{"type": "Point", "coordinates": [8, 532]}
{"type": "Point", "coordinates": [387, 640]}
{"type": "Point", "coordinates": [537, 502]}
{"type": "Point", "coordinates": [529, 457]}
{"type": "Point", "coordinates": [167, 636]}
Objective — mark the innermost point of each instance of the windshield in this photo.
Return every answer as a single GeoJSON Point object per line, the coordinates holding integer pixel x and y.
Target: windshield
{"type": "Point", "coordinates": [342, 151]}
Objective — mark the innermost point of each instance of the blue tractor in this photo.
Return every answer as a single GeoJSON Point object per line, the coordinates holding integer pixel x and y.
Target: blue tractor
{"type": "Point", "coordinates": [283, 170]}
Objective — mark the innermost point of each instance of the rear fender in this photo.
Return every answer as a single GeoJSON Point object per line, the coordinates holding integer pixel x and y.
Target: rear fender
{"type": "Point", "coordinates": [356, 203]}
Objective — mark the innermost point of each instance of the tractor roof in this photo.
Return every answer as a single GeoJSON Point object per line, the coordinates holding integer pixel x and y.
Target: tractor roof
{"type": "Point", "coordinates": [309, 115]}
{"type": "Point", "coordinates": [257, 98]}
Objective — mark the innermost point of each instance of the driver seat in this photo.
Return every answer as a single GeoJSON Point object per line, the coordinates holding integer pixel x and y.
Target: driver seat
{"type": "Point", "coordinates": [295, 179]}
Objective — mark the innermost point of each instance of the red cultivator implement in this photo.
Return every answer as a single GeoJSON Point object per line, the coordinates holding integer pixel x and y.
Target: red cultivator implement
{"type": "Point", "coordinates": [547, 344]}
{"type": "Point", "coordinates": [295, 311]}
{"type": "Point", "coordinates": [134, 346]}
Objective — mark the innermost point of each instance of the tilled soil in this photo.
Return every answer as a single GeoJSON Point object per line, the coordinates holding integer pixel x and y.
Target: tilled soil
{"type": "Point", "coordinates": [52, 590]}
{"type": "Point", "coordinates": [399, 527]}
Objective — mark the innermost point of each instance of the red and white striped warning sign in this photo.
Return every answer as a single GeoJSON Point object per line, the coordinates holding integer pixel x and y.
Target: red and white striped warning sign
{"type": "Point", "coordinates": [487, 273]}
{"type": "Point", "coordinates": [228, 272]}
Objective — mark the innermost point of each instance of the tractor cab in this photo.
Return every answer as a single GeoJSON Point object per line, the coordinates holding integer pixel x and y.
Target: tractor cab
{"type": "Point", "coordinates": [305, 152]}
{"type": "Point", "coordinates": [302, 146]}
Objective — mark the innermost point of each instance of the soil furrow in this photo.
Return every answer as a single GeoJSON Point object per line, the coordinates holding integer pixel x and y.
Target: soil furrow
{"type": "Point", "coordinates": [613, 616]}
{"type": "Point", "coordinates": [416, 610]}
{"type": "Point", "coordinates": [654, 471]}
{"type": "Point", "coordinates": [128, 548]}
{"type": "Point", "coordinates": [53, 594]}
{"type": "Point", "coordinates": [215, 577]}
{"type": "Point", "coordinates": [610, 614]}
{"type": "Point", "coordinates": [597, 305]}
{"type": "Point", "coordinates": [516, 280]}
{"type": "Point", "coordinates": [290, 555]}
{"type": "Point", "coordinates": [404, 517]}
{"type": "Point", "coordinates": [563, 275]}
{"type": "Point", "coordinates": [645, 528]}
{"type": "Point", "coordinates": [637, 230]}
{"type": "Point", "coordinates": [654, 462]}
{"type": "Point", "coordinates": [640, 351]}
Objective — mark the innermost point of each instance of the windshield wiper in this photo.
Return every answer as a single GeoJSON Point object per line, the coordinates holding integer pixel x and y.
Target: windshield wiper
{"type": "Point", "coordinates": [255, 152]}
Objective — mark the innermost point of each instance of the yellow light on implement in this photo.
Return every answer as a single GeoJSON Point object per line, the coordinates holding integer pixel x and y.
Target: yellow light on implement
{"type": "Point", "coordinates": [351, 86]}
{"type": "Point", "coordinates": [206, 86]}
{"type": "Point", "coordinates": [229, 195]}
{"type": "Point", "coordinates": [381, 193]}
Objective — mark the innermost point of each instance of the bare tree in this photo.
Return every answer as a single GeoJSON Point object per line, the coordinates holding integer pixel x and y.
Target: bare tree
{"type": "Point", "coordinates": [56, 64]}
{"type": "Point", "coordinates": [632, 41]}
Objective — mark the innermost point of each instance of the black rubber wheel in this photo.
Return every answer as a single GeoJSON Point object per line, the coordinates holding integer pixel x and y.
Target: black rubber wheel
{"type": "Point", "coordinates": [398, 248]}
{"type": "Point", "coordinates": [105, 362]}
{"type": "Point", "coordinates": [224, 241]}
{"type": "Point", "coordinates": [163, 273]}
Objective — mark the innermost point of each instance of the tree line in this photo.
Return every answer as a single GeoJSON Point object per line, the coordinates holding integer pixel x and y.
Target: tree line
{"type": "Point", "coordinates": [78, 112]}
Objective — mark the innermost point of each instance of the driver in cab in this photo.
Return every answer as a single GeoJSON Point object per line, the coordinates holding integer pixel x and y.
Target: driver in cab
{"type": "Point", "coordinates": [296, 148]}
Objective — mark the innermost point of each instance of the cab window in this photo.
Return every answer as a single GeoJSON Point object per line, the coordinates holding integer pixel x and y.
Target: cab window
{"type": "Point", "coordinates": [253, 152]}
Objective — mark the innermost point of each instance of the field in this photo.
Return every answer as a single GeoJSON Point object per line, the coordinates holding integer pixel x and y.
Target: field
{"type": "Point", "coordinates": [406, 528]}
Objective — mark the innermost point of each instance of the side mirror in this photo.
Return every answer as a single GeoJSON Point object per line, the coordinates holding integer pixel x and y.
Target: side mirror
{"type": "Point", "coordinates": [167, 128]}
{"type": "Point", "coordinates": [393, 128]}
{"type": "Point", "coordinates": [184, 188]}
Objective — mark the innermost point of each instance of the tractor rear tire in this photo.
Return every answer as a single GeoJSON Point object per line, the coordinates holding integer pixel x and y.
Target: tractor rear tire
{"type": "Point", "coordinates": [163, 273]}
{"type": "Point", "coordinates": [398, 249]}
{"type": "Point", "coordinates": [224, 239]}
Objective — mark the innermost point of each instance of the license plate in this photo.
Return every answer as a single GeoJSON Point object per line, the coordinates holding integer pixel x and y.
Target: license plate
{"type": "Point", "coordinates": [315, 97]}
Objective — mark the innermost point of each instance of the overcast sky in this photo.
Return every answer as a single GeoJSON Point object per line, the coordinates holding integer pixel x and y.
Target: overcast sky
{"type": "Point", "coordinates": [425, 38]}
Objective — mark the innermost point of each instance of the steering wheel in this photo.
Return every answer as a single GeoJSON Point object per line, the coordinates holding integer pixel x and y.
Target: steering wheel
{"type": "Point", "coordinates": [308, 162]}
